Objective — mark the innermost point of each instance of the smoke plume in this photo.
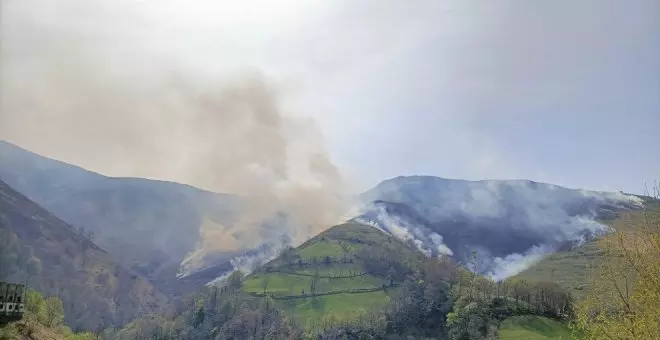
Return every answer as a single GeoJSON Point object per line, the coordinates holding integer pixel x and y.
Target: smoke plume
{"type": "Point", "coordinates": [427, 241]}
{"type": "Point", "coordinates": [94, 83]}
{"type": "Point", "coordinates": [511, 224]}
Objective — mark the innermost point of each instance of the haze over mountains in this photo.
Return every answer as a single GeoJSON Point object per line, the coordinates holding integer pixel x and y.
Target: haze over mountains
{"type": "Point", "coordinates": [48, 255]}
{"type": "Point", "coordinates": [153, 227]}
{"type": "Point", "coordinates": [149, 226]}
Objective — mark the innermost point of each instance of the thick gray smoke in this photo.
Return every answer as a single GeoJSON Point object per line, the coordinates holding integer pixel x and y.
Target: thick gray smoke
{"type": "Point", "coordinates": [510, 224]}
{"type": "Point", "coordinates": [95, 83]}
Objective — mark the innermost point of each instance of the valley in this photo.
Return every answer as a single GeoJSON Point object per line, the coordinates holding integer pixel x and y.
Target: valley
{"type": "Point", "coordinates": [329, 170]}
{"type": "Point", "coordinates": [424, 256]}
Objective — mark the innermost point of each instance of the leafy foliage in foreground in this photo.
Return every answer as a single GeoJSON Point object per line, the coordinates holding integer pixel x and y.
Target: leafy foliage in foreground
{"type": "Point", "coordinates": [624, 299]}
{"type": "Point", "coordinates": [43, 319]}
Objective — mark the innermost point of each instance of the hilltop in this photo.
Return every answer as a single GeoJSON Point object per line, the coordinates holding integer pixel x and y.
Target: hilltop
{"type": "Point", "coordinates": [52, 257]}
{"type": "Point", "coordinates": [341, 274]}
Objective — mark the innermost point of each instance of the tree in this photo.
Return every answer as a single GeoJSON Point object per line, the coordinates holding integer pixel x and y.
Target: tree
{"type": "Point", "coordinates": [235, 280]}
{"type": "Point", "coordinates": [624, 301]}
{"type": "Point", "coordinates": [199, 315]}
{"type": "Point", "coordinates": [53, 312]}
{"type": "Point", "coordinates": [33, 301]}
{"type": "Point", "coordinates": [315, 281]}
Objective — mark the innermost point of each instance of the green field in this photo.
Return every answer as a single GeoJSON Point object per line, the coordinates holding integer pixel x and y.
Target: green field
{"type": "Point", "coordinates": [281, 284]}
{"type": "Point", "coordinates": [322, 249]}
{"type": "Point", "coordinates": [532, 327]}
{"type": "Point", "coordinates": [337, 258]}
{"type": "Point", "coordinates": [573, 270]}
{"type": "Point", "coordinates": [338, 269]}
{"type": "Point", "coordinates": [569, 269]}
{"type": "Point", "coordinates": [312, 312]}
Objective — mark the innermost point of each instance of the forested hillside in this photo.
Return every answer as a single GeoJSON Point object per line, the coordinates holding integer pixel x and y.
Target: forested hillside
{"type": "Point", "coordinates": [148, 226]}
{"type": "Point", "coordinates": [50, 256]}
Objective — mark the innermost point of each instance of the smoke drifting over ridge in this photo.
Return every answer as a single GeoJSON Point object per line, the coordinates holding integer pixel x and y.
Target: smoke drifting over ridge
{"type": "Point", "coordinates": [92, 83]}
{"type": "Point", "coordinates": [511, 224]}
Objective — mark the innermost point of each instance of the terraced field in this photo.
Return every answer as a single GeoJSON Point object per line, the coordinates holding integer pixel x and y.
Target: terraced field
{"type": "Point", "coordinates": [341, 274]}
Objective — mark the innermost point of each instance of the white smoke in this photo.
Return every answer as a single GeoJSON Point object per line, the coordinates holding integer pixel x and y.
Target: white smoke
{"type": "Point", "coordinates": [427, 241]}
{"type": "Point", "coordinates": [247, 263]}
{"type": "Point", "coordinates": [546, 217]}
{"type": "Point", "coordinates": [501, 268]}
{"type": "Point", "coordinates": [122, 93]}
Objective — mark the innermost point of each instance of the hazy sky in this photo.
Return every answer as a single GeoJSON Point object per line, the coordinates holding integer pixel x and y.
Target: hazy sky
{"type": "Point", "coordinates": [561, 91]}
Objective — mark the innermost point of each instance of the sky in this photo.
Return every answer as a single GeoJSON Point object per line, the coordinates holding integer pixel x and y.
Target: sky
{"type": "Point", "coordinates": [566, 92]}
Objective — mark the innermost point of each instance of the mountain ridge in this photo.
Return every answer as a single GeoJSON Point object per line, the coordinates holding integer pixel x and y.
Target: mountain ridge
{"type": "Point", "coordinates": [151, 226]}
{"type": "Point", "coordinates": [505, 222]}
{"type": "Point", "coordinates": [49, 255]}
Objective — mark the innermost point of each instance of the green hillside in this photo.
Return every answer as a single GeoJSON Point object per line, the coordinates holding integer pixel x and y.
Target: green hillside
{"type": "Point", "coordinates": [572, 269]}
{"type": "Point", "coordinates": [533, 327]}
{"type": "Point", "coordinates": [339, 275]}
{"type": "Point", "coordinates": [569, 269]}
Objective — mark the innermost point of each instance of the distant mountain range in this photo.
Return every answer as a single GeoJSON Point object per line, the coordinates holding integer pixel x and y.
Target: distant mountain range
{"type": "Point", "coordinates": [150, 226]}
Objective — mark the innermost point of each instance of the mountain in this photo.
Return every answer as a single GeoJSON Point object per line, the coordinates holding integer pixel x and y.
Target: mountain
{"type": "Point", "coordinates": [149, 226]}
{"type": "Point", "coordinates": [508, 223]}
{"type": "Point", "coordinates": [340, 274]}
{"type": "Point", "coordinates": [50, 256]}
{"type": "Point", "coordinates": [572, 269]}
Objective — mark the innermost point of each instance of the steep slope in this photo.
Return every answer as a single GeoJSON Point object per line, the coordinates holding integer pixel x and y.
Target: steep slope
{"type": "Point", "coordinates": [38, 248]}
{"type": "Point", "coordinates": [510, 224]}
{"type": "Point", "coordinates": [572, 269]}
{"type": "Point", "coordinates": [149, 226]}
{"type": "Point", "coordinates": [340, 274]}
